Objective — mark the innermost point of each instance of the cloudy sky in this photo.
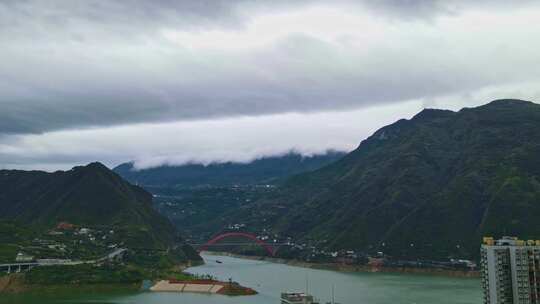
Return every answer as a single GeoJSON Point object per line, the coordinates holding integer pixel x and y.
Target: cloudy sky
{"type": "Point", "coordinates": [213, 80]}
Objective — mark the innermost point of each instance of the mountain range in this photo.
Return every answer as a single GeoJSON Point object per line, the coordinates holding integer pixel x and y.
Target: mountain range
{"type": "Point", "coordinates": [263, 170]}
{"type": "Point", "coordinates": [428, 187]}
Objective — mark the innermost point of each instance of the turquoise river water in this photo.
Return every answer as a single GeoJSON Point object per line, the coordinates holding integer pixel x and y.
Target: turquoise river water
{"type": "Point", "coordinates": [269, 279]}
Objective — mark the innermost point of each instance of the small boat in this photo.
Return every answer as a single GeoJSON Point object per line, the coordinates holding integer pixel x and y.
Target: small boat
{"type": "Point", "coordinates": [297, 298]}
{"type": "Point", "coordinates": [219, 262]}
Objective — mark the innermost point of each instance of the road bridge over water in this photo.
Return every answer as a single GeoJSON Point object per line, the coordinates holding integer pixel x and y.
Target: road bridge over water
{"type": "Point", "coordinates": [270, 247]}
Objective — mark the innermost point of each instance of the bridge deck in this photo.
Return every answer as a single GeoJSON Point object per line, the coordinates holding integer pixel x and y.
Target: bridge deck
{"type": "Point", "coordinates": [18, 264]}
{"type": "Point", "coordinates": [45, 262]}
{"type": "Point", "coordinates": [239, 244]}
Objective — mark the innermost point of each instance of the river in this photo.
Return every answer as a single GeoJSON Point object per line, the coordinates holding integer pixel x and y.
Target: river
{"type": "Point", "coordinates": [269, 279]}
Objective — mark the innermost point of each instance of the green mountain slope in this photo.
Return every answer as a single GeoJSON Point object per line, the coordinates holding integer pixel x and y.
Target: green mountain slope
{"type": "Point", "coordinates": [426, 187]}
{"type": "Point", "coordinates": [263, 170]}
{"type": "Point", "coordinates": [89, 196]}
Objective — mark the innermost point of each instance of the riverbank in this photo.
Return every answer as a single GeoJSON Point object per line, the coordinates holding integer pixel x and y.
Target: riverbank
{"type": "Point", "coordinates": [355, 268]}
{"type": "Point", "coordinates": [270, 279]}
{"type": "Point", "coordinates": [88, 278]}
{"type": "Point", "coordinates": [16, 284]}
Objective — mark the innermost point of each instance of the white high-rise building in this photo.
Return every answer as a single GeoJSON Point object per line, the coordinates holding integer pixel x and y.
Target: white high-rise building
{"type": "Point", "coordinates": [510, 271]}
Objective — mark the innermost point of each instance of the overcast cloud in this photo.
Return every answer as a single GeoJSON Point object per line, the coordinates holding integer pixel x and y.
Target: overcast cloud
{"type": "Point", "coordinates": [79, 72]}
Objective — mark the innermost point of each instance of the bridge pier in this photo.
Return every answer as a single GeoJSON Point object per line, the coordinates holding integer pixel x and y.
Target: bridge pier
{"type": "Point", "coordinates": [9, 269]}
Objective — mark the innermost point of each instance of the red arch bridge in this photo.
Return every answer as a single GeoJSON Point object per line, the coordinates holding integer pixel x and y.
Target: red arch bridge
{"type": "Point", "coordinates": [271, 248]}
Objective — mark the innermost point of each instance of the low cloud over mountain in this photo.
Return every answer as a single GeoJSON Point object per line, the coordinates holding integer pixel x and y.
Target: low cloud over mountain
{"type": "Point", "coordinates": [98, 65]}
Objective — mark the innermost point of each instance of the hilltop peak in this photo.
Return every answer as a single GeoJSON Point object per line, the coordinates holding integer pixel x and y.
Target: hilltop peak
{"type": "Point", "coordinates": [94, 166]}
{"type": "Point", "coordinates": [97, 166]}
{"type": "Point", "coordinates": [508, 102]}
{"type": "Point", "coordinates": [429, 113]}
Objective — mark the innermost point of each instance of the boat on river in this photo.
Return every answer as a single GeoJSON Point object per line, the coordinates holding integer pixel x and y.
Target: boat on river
{"type": "Point", "coordinates": [297, 298]}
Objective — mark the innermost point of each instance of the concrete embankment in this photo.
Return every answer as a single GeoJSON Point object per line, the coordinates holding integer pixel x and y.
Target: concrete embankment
{"type": "Point", "coordinates": [356, 268]}
{"type": "Point", "coordinates": [202, 286]}
{"type": "Point", "coordinates": [196, 287]}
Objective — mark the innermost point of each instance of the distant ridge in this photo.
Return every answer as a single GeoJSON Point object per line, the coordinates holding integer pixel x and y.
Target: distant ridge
{"type": "Point", "coordinates": [263, 170]}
